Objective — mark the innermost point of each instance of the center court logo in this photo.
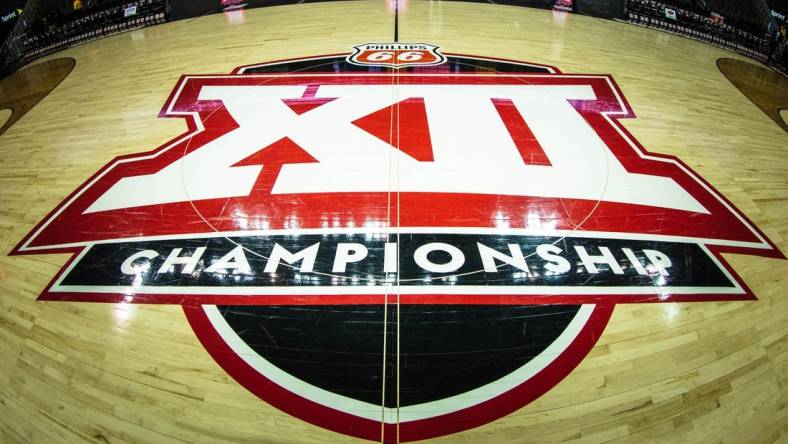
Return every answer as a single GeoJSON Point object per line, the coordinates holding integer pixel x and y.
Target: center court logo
{"type": "Point", "coordinates": [348, 250]}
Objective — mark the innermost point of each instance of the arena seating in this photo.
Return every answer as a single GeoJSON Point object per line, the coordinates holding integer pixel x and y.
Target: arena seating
{"type": "Point", "coordinates": [737, 25]}
{"type": "Point", "coordinates": [741, 30]}
{"type": "Point", "coordinates": [94, 24]}
{"type": "Point", "coordinates": [39, 33]}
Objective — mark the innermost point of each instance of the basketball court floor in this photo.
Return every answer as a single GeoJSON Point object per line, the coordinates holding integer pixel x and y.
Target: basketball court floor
{"type": "Point", "coordinates": [534, 227]}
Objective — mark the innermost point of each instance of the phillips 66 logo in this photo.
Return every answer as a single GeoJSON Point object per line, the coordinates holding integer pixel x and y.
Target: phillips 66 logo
{"type": "Point", "coordinates": [396, 55]}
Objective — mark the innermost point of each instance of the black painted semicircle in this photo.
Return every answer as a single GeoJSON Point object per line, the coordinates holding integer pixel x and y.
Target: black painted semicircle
{"type": "Point", "coordinates": [445, 350]}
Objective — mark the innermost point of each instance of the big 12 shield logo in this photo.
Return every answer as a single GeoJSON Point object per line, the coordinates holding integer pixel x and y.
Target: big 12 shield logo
{"type": "Point", "coordinates": [397, 254]}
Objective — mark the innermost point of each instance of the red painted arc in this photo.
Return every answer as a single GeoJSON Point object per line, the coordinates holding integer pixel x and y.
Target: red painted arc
{"type": "Point", "coordinates": [343, 422]}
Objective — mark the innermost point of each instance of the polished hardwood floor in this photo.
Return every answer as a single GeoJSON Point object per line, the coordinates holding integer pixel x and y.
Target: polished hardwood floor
{"type": "Point", "coordinates": [766, 88]}
{"type": "Point", "coordinates": [5, 114]}
{"type": "Point", "coordinates": [22, 90]}
{"type": "Point", "coordinates": [112, 373]}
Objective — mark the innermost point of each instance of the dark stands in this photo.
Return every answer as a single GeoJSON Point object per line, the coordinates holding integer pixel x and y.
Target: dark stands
{"type": "Point", "coordinates": [181, 9]}
{"type": "Point", "coordinates": [58, 32]}
{"type": "Point", "coordinates": [739, 25]}
{"type": "Point", "coordinates": [44, 27]}
{"type": "Point", "coordinates": [777, 33]}
{"type": "Point", "coordinates": [602, 8]}
{"type": "Point", "coordinates": [10, 10]}
{"type": "Point", "coordinates": [755, 28]}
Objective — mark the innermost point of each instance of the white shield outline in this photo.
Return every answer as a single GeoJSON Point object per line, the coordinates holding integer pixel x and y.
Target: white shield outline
{"type": "Point", "coordinates": [358, 49]}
